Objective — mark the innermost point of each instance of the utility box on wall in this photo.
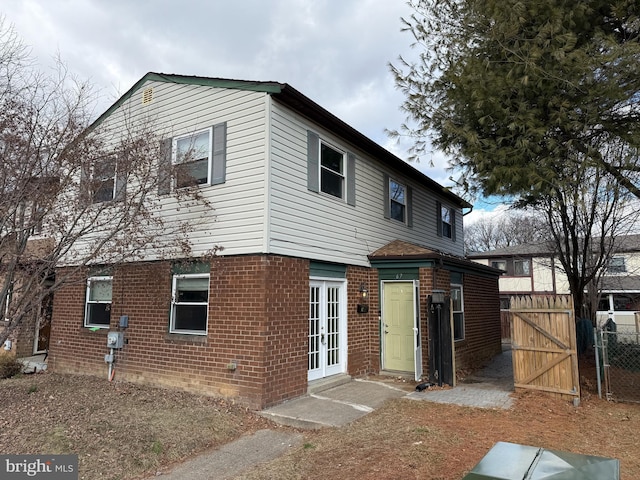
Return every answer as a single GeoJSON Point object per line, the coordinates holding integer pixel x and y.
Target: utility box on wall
{"type": "Point", "coordinates": [115, 340]}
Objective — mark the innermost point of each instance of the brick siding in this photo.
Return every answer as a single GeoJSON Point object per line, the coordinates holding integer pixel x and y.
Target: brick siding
{"type": "Point", "coordinates": [482, 322]}
{"type": "Point", "coordinates": [363, 332]}
{"type": "Point", "coordinates": [258, 310]}
{"type": "Point", "coordinates": [257, 322]}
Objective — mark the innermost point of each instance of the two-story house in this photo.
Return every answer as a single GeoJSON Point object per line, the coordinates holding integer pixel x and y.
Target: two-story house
{"type": "Point", "coordinates": [533, 270]}
{"type": "Point", "coordinates": [332, 247]}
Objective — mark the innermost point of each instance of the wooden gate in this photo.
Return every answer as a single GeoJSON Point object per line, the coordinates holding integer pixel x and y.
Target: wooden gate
{"type": "Point", "coordinates": [543, 343]}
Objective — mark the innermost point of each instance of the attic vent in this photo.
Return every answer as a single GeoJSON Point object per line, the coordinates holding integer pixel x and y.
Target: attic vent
{"type": "Point", "coordinates": [147, 95]}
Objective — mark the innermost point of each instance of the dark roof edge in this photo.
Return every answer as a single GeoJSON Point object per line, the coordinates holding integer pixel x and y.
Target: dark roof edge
{"type": "Point", "coordinates": [304, 105]}
{"type": "Point", "coordinates": [445, 259]}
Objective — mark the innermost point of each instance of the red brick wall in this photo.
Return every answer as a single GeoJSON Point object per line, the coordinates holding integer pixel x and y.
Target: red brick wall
{"type": "Point", "coordinates": [482, 321]}
{"type": "Point", "coordinates": [287, 328]}
{"type": "Point", "coordinates": [430, 279]}
{"type": "Point", "coordinates": [363, 332]}
{"type": "Point", "coordinates": [258, 309]}
{"type": "Point", "coordinates": [481, 314]}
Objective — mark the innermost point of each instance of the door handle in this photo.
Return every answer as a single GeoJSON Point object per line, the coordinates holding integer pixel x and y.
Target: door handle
{"type": "Point", "coordinates": [386, 331]}
{"type": "Point", "coordinates": [322, 338]}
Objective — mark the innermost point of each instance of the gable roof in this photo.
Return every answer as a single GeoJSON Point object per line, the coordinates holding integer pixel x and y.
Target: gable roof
{"type": "Point", "coordinates": [624, 243]}
{"type": "Point", "coordinates": [401, 251]}
{"type": "Point", "coordinates": [528, 250]}
{"type": "Point", "coordinates": [298, 102]}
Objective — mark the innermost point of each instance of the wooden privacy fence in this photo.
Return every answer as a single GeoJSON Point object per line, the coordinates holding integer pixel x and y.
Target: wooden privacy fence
{"type": "Point", "coordinates": [543, 343]}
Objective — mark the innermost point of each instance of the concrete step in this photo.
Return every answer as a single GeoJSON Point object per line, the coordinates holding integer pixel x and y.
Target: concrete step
{"type": "Point", "coordinates": [317, 386]}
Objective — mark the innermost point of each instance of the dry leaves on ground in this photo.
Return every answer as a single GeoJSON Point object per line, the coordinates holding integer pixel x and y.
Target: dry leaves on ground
{"type": "Point", "coordinates": [119, 430]}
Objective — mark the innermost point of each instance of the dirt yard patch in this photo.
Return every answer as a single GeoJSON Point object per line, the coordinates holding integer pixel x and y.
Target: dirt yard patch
{"type": "Point", "coordinates": [121, 431]}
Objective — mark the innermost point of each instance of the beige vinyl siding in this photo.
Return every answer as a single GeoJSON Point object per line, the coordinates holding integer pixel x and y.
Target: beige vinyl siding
{"type": "Point", "coordinates": [318, 226]}
{"type": "Point", "coordinates": [235, 219]}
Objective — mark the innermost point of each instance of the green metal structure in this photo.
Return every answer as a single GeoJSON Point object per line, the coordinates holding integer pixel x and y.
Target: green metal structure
{"type": "Point", "coordinates": [510, 461]}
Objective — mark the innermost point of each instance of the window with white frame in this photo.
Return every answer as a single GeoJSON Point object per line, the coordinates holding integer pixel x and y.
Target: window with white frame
{"type": "Point", "coordinates": [190, 304]}
{"type": "Point", "coordinates": [616, 265]}
{"type": "Point", "coordinates": [7, 304]}
{"type": "Point", "coordinates": [192, 157]}
{"type": "Point", "coordinates": [103, 180]}
{"type": "Point", "coordinates": [98, 302]}
{"type": "Point", "coordinates": [331, 171]}
{"type": "Point", "coordinates": [445, 217]}
{"type": "Point", "coordinates": [397, 201]}
{"type": "Point", "coordinates": [457, 305]}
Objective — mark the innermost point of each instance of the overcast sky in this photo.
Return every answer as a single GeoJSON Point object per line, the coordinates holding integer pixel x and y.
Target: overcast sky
{"type": "Point", "coordinates": [335, 52]}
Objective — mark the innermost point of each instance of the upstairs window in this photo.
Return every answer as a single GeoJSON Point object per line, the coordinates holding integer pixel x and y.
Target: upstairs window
{"type": "Point", "coordinates": [103, 180]}
{"type": "Point", "coordinates": [190, 304]}
{"type": "Point", "coordinates": [98, 302]}
{"type": "Point", "coordinates": [192, 158]}
{"type": "Point", "coordinates": [446, 220]}
{"type": "Point", "coordinates": [445, 217]}
{"type": "Point", "coordinates": [616, 265]}
{"type": "Point", "coordinates": [521, 268]}
{"type": "Point", "coordinates": [499, 264]}
{"type": "Point", "coordinates": [197, 158]}
{"type": "Point", "coordinates": [330, 170]}
{"type": "Point", "coordinates": [398, 201]}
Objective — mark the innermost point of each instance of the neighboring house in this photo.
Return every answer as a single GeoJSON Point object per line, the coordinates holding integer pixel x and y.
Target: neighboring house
{"type": "Point", "coordinates": [332, 248]}
{"type": "Point", "coordinates": [533, 269]}
{"type": "Point", "coordinates": [31, 337]}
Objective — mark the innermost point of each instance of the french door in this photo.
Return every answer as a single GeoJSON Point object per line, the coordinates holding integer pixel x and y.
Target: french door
{"type": "Point", "coordinates": [327, 328]}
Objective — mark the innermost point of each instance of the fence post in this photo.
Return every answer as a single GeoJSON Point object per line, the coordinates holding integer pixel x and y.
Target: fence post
{"type": "Point", "coordinates": [599, 380]}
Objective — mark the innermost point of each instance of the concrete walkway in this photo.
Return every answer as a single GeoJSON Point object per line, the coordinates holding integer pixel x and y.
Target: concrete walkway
{"type": "Point", "coordinates": [490, 387]}
{"type": "Point", "coordinates": [337, 406]}
{"type": "Point", "coordinates": [234, 458]}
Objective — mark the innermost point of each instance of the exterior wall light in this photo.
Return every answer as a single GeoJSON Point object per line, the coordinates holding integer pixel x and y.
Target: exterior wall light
{"type": "Point", "coordinates": [363, 306]}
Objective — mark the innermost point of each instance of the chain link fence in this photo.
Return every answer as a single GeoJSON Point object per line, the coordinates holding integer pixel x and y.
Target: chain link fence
{"type": "Point", "coordinates": [618, 360]}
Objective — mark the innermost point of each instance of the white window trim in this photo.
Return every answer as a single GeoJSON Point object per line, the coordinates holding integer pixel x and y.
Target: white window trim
{"type": "Point", "coordinates": [618, 269]}
{"type": "Point", "coordinates": [174, 153]}
{"type": "Point", "coordinates": [391, 199]}
{"type": "Point", "coordinates": [458, 286]}
{"type": "Point", "coordinates": [114, 178]}
{"type": "Point", "coordinates": [449, 210]}
{"type": "Point", "coordinates": [7, 304]}
{"type": "Point", "coordinates": [87, 301]}
{"type": "Point", "coordinates": [343, 175]}
{"type": "Point", "coordinates": [177, 277]}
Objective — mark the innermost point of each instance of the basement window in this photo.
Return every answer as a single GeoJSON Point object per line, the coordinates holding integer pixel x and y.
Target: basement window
{"type": "Point", "coordinates": [190, 304]}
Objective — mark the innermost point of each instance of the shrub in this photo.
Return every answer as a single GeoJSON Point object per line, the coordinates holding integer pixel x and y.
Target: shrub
{"type": "Point", "coordinates": [9, 366]}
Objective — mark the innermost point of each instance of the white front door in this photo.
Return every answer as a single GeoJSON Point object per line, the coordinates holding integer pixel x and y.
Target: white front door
{"type": "Point", "coordinates": [327, 328]}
